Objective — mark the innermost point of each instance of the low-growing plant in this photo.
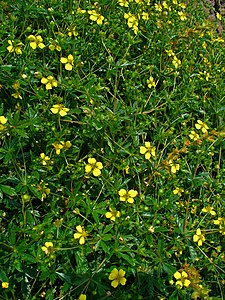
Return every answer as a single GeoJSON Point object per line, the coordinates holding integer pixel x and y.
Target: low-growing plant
{"type": "Point", "coordinates": [112, 150]}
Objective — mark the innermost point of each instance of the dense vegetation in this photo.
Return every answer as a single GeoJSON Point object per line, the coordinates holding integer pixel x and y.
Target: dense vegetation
{"type": "Point", "coordinates": [112, 148]}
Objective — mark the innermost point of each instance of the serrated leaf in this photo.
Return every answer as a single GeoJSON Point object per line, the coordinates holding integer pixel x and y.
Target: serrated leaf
{"type": "Point", "coordinates": [193, 253]}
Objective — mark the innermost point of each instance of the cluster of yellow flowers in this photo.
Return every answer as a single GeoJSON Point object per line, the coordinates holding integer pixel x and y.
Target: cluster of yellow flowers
{"type": "Point", "coordinates": [175, 61]}
{"type": "Point", "coordinates": [132, 21]}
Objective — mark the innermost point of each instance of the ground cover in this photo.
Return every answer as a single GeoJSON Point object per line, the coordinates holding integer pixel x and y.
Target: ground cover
{"type": "Point", "coordinates": [112, 150]}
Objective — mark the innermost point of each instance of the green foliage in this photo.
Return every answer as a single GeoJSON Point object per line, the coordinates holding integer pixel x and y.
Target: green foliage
{"type": "Point", "coordinates": [112, 150]}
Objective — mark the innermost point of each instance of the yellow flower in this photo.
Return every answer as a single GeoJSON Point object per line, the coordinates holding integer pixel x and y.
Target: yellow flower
{"type": "Point", "coordinates": [58, 147]}
{"type": "Point", "coordinates": [158, 7]}
{"type": "Point", "coordinates": [54, 46]}
{"type": "Point", "coordinates": [82, 297]}
{"type": "Point", "coordinates": [178, 191]}
{"type": "Point", "coordinates": [218, 16]}
{"type": "Point", "coordinates": [123, 3]}
{"type": "Point", "coordinates": [117, 277]}
{"type": "Point", "coordinates": [182, 5]}
{"type": "Point", "coordinates": [66, 145]}
{"type": "Point", "coordinates": [47, 248]}
{"type": "Point", "coordinates": [17, 95]}
{"type": "Point", "coordinates": [36, 41]}
{"type": "Point", "coordinates": [199, 237]}
{"type": "Point", "coordinates": [145, 16]}
{"type": "Point", "coordinates": [201, 126]}
{"type": "Point", "coordinates": [222, 230]}
{"type": "Point", "coordinates": [94, 167]}
{"type": "Point", "coordinates": [210, 210]}
{"type": "Point", "coordinates": [176, 62]}
{"type": "Point", "coordinates": [182, 15]}
{"type": "Point", "coordinates": [113, 214]}
{"type": "Point", "coordinates": [148, 150]}
{"type": "Point", "coordinates": [71, 31]}
{"type": "Point", "coordinates": [170, 53]}
{"type": "Point", "coordinates": [127, 196]}
{"type": "Point", "coordinates": [59, 109]}
{"type": "Point", "coordinates": [42, 187]}
{"type": "Point", "coordinates": [49, 82]}
{"type": "Point", "coordinates": [81, 234]}
{"type": "Point", "coordinates": [81, 11]}
{"type": "Point", "coordinates": [5, 285]}
{"type": "Point", "coordinates": [3, 120]}
{"type": "Point", "coordinates": [219, 221]}
{"type": "Point", "coordinates": [14, 48]}
{"type": "Point", "coordinates": [69, 61]}
{"type": "Point", "coordinates": [194, 136]}
{"type": "Point", "coordinates": [94, 16]}
{"type": "Point", "coordinates": [173, 167]}
{"type": "Point", "coordinates": [181, 278]}
{"type": "Point", "coordinates": [151, 82]}
{"type": "Point", "coordinates": [44, 158]}
{"type": "Point", "coordinates": [132, 21]}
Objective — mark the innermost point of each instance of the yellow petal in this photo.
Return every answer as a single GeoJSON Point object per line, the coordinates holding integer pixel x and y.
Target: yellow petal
{"type": "Point", "coordinates": [198, 231]}
{"type": "Point", "coordinates": [48, 86]}
{"type": "Point", "coordinates": [79, 229]}
{"type": "Point", "coordinates": [88, 168]}
{"type": "Point", "coordinates": [62, 113]}
{"type": "Point", "coordinates": [10, 48]}
{"type": "Point", "coordinates": [130, 200]}
{"type": "Point", "coordinates": [82, 240]}
{"type": "Point", "coordinates": [44, 80]}
{"type": "Point", "coordinates": [115, 283]}
{"type": "Point", "coordinates": [63, 60]}
{"type": "Point", "coordinates": [132, 193]}
{"type": "Point", "coordinates": [96, 172]}
{"type": "Point", "coordinates": [123, 281]}
{"type": "Point", "coordinates": [121, 273]}
{"type": "Point", "coordinates": [41, 45]}
{"type": "Point", "coordinates": [148, 155]}
{"type": "Point", "coordinates": [143, 150]}
{"type": "Point", "coordinates": [114, 274]}
{"type": "Point", "coordinates": [195, 238]}
{"type": "Point", "coordinates": [108, 215]}
{"type": "Point", "coordinates": [54, 110]}
{"type": "Point", "coordinates": [122, 192]}
{"type": "Point", "coordinates": [99, 165]}
{"type": "Point", "coordinates": [177, 275]}
{"type": "Point", "coordinates": [77, 235]}
{"type": "Point", "coordinates": [33, 45]}
{"type": "Point", "coordinates": [91, 161]}
{"type": "Point", "coordinates": [68, 67]}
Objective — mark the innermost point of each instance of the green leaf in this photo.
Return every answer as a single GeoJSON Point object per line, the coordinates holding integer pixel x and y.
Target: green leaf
{"type": "Point", "coordinates": [169, 269]}
{"type": "Point", "coordinates": [193, 253]}
{"type": "Point", "coordinates": [105, 248]}
{"type": "Point", "coordinates": [6, 189]}
{"type": "Point", "coordinates": [65, 277]}
{"type": "Point", "coordinates": [129, 259]}
{"type": "Point", "coordinates": [108, 228]}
